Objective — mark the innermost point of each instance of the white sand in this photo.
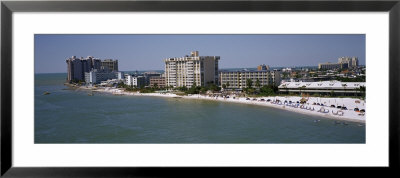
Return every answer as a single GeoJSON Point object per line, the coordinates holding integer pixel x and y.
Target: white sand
{"type": "Point", "coordinates": [348, 115]}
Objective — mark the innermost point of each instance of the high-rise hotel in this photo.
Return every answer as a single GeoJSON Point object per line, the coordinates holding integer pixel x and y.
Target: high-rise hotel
{"type": "Point", "coordinates": [109, 64]}
{"type": "Point", "coordinates": [76, 67]}
{"type": "Point", "coordinates": [190, 70]}
{"type": "Point", "coordinates": [79, 69]}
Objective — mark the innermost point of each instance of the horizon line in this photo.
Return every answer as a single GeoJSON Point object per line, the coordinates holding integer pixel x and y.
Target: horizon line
{"type": "Point", "coordinates": [163, 69]}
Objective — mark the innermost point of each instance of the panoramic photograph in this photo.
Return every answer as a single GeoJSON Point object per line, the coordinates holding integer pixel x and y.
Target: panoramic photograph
{"type": "Point", "coordinates": [199, 88]}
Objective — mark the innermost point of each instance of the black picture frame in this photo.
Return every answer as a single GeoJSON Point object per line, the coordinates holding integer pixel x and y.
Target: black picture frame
{"type": "Point", "coordinates": [8, 7]}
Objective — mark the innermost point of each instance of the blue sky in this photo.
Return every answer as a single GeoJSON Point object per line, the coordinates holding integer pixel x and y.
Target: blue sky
{"type": "Point", "coordinates": [146, 52]}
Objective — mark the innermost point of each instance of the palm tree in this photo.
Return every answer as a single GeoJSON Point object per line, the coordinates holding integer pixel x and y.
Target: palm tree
{"type": "Point", "coordinates": [224, 86]}
{"type": "Point", "coordinates": [258, 84]}
{"type": "Point", "coordinates": [249, 83]}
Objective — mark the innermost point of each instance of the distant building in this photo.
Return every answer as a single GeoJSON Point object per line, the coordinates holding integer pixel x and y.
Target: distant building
{"type": "Point", "coordinates": [287, 69]}
{"type": "Point", "coordinates": [78, 67]}
{"type": "Point", "coordinates": [75, 69]}
{"type": "Point", "coordinates": [134, 81]}
{"type": "Point", "coordinates": [191, 70]}
{"type": "Point", "coordinates": [236, 80]}
{"type": "Point", "coordinates": [120, 75]}
{"type": "Point", "coordinates": [128, 80]}
{"type": "Point", "coordinates": [93, 63]}
{"type": "Point", "coordinates": [148, 75]}
{"type": "Point", "coordinates": [140, 82]}
{"type": "Point", "coordinates": [330, 66]}
{"type": "Point", "coordinates": [343, 63]}
{"type": "Point", "coordinates": [109, 64]}
{"type": "Point", "coordinates": [263, 67]}
{"type": "Point", "coordinates": [323, 87]}
{"type": "Point", "coordinates": [159, 81]}
{"type": "Point", "coordinates": [97, 76]}
{"type": "Point", "coordinates": [352, 62]}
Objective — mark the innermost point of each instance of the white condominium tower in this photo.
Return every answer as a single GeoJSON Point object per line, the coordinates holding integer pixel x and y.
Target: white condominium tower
{"type": "Point", "coordinates": [193, 69]}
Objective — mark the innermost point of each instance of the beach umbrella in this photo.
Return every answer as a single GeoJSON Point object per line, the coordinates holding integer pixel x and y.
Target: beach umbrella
{"type": "Point", "coordinates": [303, 100]}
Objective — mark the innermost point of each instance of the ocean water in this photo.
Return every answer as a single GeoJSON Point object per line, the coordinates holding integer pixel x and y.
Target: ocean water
{"type": "Point", "coordinates": [72, 116]}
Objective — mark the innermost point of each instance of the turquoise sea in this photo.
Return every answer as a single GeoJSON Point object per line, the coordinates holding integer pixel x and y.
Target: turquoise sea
{"type": "Point", "coordinates": [71, 116]}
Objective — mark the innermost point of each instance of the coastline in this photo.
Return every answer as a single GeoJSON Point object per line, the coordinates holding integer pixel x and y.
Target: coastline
{"type": "Point", "coordinates": [347, 116]}
{"type": "Point", "coordinates": [309, 108]}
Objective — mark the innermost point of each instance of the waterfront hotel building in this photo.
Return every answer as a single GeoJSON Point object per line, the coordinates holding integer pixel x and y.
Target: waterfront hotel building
{"type": "Point", "coordinates": [190, 70]}
{"type": "Point", "coordinates": [97, 76]}
{"type": "Point", "coordinates": [236, 80]}
{"type": "Point", "coordinates": [77, 67]}
{"type": "Point", "coordinates": [109, 64]}
{"type": "Point", "coordinates": [157, 81]}
{"type": "Point", "coordinates": [134, 81]}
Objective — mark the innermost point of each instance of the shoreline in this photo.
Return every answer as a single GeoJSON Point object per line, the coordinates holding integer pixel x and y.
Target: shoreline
{"type": "Point", "coordinates": [347, 115]}
{"type": "Point", "coordinates": [359, 119]}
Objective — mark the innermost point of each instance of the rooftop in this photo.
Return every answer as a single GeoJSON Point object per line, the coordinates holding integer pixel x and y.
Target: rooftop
{"type": "Point", "coordinates": [322, 85]}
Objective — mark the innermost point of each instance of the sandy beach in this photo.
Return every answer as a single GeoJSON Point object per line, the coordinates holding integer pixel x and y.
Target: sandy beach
{"type": "Point", "coordinates": [316, 106]}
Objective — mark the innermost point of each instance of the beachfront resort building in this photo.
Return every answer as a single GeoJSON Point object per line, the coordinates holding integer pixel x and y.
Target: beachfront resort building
{"type": "Point", "coordinates": [324, 88]}
{"type": "Point", "coordinates": [236, 80]}
{"type": "Point", "coordinates": [134, 81]}
{"type": "Point", "coordinates": [157, 81]}
{"type": "Point", "coordinates": [148, 75]}
{"type": "Point", "coordinates": [74, 69]}
{"type": "Point", "coordinates": [77, 67]}
{"type": "Point", "coordinates": [191, 70]}
{"type": "Point", "coordinates": [97, 76]}
{"type": "Point", "coordinates": [109, 64]}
